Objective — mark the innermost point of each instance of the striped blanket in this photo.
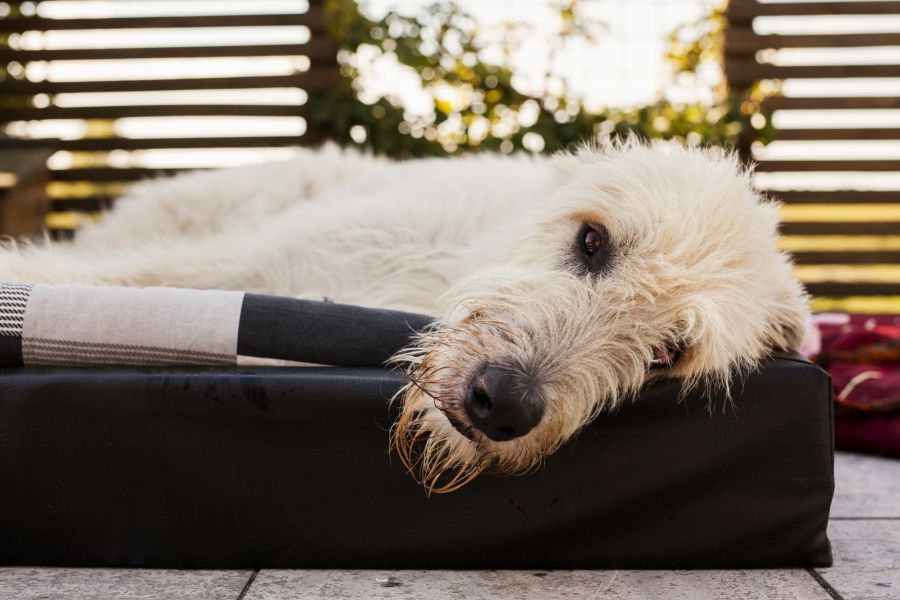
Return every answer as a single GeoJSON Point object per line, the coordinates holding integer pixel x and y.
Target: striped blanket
{"type": "Point", "coordinates": [76, 326]}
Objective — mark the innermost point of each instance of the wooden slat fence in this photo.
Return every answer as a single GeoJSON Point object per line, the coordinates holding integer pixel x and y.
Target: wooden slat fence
{"type": "Point", "coordinates": [747, 55]}
{"type": "Point", "coordinates": [319, 50]}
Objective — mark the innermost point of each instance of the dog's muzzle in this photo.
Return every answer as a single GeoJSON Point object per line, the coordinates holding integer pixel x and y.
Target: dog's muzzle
{"type": "Point", "coordinates": [503, 404]}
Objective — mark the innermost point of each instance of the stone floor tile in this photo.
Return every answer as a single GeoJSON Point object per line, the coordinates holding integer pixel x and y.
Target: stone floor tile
{"type": "Point", "coordinates": [866, 486]}
{"type": "Point", "coordinates": [795, 584]}
{"type": "Point", "coordinates": [866, 559]}
{"type": "Point", "coordinates": [119, 584]}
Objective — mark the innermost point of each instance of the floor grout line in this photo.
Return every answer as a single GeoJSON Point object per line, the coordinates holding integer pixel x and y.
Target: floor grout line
{"type": "Point", "coordinates": [247, 585]}
{"type": "Point", "coordinates": [824, 583]}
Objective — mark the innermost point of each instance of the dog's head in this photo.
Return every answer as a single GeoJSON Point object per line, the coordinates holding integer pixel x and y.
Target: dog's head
{"type": "Point", "coordinates": [647, 261]}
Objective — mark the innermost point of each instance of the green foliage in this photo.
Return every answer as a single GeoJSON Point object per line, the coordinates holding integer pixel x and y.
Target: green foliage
{"type": "Point", "coordinates": [11, 100]}
{"type": "Point", "coordinates": [476, 105]}
{"type": "Point", "coordinates": [692, 44]}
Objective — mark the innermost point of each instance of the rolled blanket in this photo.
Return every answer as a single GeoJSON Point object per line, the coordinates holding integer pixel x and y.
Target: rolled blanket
{"type": "Point", "coordinates": [80, 326]}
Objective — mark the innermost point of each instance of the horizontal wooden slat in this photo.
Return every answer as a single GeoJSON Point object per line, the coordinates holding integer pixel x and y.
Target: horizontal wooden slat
{"type": "Point", "coordinates": [742, 72]}
{"type": "Point", "coordinates": [840, 228]}
{"type": "Point", "coordinates": [836, 197]}
{"type": "Point", "coordinates": [315, 50]}
{"type": "Point", "coordinates": [312, 18]}
{"type": "Point", "coordinates": [777, 166]}
{"type": "Point", "coordinates": [832, 103]}
{"type": "Point", "coordinates": [111, 174]}
{"type": "Point", "coordinates": [847, 258]}
{"type": "Point", "coordinates": [743, 10]}
{"type": "Point", "coordinates": [104, 144]}
{"type": "Point", "coordinates": [744, 40]}
{"type": "Point", "coordinates": [89, 204]}
{"type": "Point", "coordinates": [160, 110]}
{"type": "Point", "coordinates": [807, 135]}
{"type": "Point", "coordinates": [314, 78]}
{"type": "Point", "coordinates": [853, 289]}
{"type": "Point", "coordinates": [61, 235]}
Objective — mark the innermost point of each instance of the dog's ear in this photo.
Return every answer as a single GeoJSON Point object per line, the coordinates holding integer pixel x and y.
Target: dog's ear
{"type": "Point", "coordinates": [724, 330]}
{"type": "Point", "coordinates": [790, 317]}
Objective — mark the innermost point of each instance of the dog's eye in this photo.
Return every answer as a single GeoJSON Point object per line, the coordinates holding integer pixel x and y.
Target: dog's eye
{"type": "Point", "coordinates": [592, 249]}
{"type": "Point", "coordinates": [592, 241]}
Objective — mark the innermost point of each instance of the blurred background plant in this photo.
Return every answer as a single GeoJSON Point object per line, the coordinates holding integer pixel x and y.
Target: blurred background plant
{"type": "Point", "coordinates": [7, 69]}
{"type": "Point", "coordinates": [475, 104]}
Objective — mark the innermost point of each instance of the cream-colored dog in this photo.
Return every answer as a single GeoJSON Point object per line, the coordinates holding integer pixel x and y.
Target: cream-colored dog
{"type": "Point", "coordinates": [562, 284]}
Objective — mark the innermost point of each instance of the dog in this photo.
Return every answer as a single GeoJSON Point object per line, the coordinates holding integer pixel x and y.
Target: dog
{"type": "Point", "coordinates": [562, 284]}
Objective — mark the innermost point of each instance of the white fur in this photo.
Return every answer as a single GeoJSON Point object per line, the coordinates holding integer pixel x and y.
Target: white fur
{"type": "Point", "coordinates": [486, 243]}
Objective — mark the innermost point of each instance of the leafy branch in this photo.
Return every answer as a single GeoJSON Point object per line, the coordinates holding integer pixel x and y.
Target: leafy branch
{"type": "Point", "coordinates": [477, 107]}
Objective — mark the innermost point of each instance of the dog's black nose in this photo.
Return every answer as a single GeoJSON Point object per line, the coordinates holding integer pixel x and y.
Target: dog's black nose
{"type": "Point", "coordinates": [502, 404]}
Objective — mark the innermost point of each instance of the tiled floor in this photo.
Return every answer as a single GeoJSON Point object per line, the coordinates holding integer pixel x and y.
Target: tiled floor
{"type": "Point", "coordinates": [864, 531]}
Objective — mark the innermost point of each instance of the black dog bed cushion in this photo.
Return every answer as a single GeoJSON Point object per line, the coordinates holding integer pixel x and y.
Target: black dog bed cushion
{"type": "Point", "coordinates": [236, 467]}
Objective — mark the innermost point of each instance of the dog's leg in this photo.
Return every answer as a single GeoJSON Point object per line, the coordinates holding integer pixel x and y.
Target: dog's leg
{"type": "Point", "coordinates": [207, 263]}
{"type": "Point", "coordinates": [235, 260]}
{"type": "Point", "coordinates": [36, 262]}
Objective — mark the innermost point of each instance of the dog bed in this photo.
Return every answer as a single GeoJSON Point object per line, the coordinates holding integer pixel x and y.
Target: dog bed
{"type": "Point", "coordinates": [170, 454]}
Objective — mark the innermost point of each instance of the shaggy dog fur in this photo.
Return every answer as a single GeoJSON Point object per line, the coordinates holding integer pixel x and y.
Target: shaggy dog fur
{"type": "Point", "coordinates": [562, 283]}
